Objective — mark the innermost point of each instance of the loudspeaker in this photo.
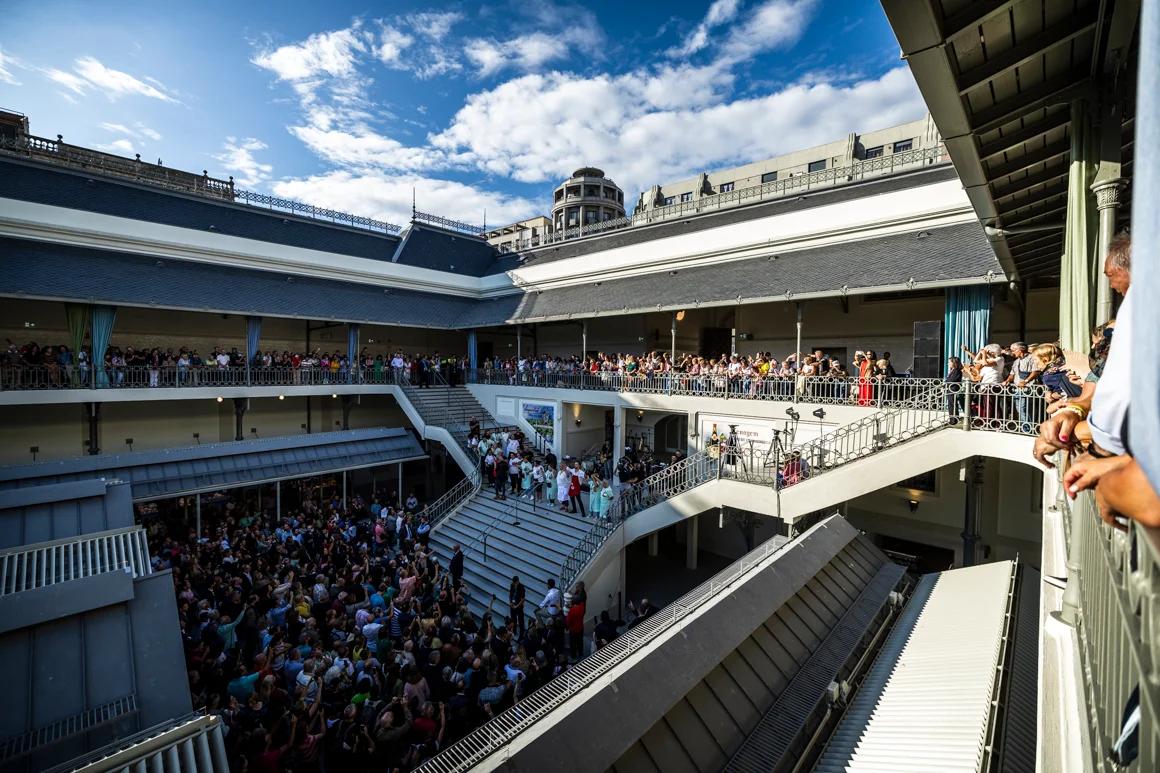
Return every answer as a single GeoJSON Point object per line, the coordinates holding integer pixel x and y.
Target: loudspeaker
{"type": "Point", "coordinates": [928, 359]}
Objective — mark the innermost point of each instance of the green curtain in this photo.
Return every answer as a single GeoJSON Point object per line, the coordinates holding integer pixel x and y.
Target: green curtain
{"type": "Point", "coordinates": [1077, 286]}
{"type": "Point", "coordinates": [77, 315]}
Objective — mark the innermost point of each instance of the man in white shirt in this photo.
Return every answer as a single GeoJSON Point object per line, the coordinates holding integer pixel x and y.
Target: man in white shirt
{"type": "Point", "coordinates": [550, 606]}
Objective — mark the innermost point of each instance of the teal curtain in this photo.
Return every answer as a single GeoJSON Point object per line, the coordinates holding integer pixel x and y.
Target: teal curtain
{"type": "Point", "coordinates": [472, 349]}
{"type": "Point", "coordinates": [1080, 267]}
{"type": "Point", "coordinates": [77, 315]}
{"type": "Point", "coordinates": [103, 318]}
{"type": "Point", "coordinates": [253, 340]}
{"type": "Point", "coordinates": [967, 319]}
{"type": "Point", "coordinates": [352, 350]}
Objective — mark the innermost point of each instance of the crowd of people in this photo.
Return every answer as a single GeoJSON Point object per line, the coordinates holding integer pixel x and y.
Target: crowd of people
{"type": "Point", "coordinates": [1089, 422]}
{"type": "Point", "coordinates": [331, 638]}
{"type": "Point", "coordinates": [55, 366]}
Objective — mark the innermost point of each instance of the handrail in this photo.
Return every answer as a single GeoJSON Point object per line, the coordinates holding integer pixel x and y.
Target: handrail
{"type": "Point", "coordinates": [932, 409]}
{"type": "Point", "coordinates": [453, 498]}
{"type": "Point", "coordinates": [469, 751]}
{"type": "Point", "coordinates": [664, 484]}
{"type": "Point", "coordinates": [74, 376]}
{"type": "Point", "coordinates": [122, 753]}
{"type": "Point", "coordinates": [1117, 570]}
{"type": "Point", "coordinates": [448, 223]}
{"type": "Point", "coordinates": [29, 567]}
{"type": "Point", "coordinates": [855, 172]}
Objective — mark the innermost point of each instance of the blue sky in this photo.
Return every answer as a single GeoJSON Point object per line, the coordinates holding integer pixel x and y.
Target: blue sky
{"type": "Point", "coordinates": [477, 107]}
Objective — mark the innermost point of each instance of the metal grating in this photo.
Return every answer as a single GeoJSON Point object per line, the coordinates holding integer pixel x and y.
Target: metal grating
{"type": "Point", "coordinates": [783, 724]}
{"type": "Point", "coordinates": [105, 714]}
{"type": "Point", "coordinates": [1020, 711]}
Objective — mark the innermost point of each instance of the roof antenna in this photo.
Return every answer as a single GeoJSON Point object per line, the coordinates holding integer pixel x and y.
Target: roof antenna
{"type": "Point", "coordinates": [485, 218]}
{"type": "Point", "coordinates": [412, 203]}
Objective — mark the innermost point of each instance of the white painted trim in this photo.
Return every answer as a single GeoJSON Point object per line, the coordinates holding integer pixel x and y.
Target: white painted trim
{"type": "Point", "coordinates": [61, 225]}
{"type": "Point", "coordinates": [908, 210]}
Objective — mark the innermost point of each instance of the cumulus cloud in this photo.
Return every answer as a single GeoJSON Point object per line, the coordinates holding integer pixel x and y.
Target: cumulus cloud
{"type": "Point", "coordinates": [388, 197]}
{"type": "Point", "coordinates": [237, 156]}
{"type": "Point", "coordinates": [325, 53]}
{"type": "Point", "coordinates": [90, 74]}
{"type": "Point", "coordinates": [565, 31]}
{"type": "Point", "coordinates": [363, 147]}
{"type": "Point", "coordinates": [652, 129]}
{"type": "Point", "coordinates": [120, 146]}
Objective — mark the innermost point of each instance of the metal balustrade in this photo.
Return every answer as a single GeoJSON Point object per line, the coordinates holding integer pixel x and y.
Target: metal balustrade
{"type": "Point", "coordinates": [46, 563]}
{"type": "Point", "coordinates": [1117, 596]}
{"type": "Point", "coordinates": [33, 377]}
{"type": "Point", "coordinates": [797, 184]}
{"type": "Point", "coordinates": [916, 414]}
{"type": "Point", "coordinates": [188, 743]}
{"type": "Point", "coordinates": [334, 216]}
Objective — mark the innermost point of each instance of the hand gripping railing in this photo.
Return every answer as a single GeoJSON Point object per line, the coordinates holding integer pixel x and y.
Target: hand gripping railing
{"type": "Point", "coordinates": [674, 479]}
{"type": "Point", "coordinates": [46, 563]}
{"type": "Point", "coordinates": [476, 746]}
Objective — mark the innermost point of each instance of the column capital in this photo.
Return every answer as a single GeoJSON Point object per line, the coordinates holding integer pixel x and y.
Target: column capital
{"type": "Point", "coordinates": [1108, 192]}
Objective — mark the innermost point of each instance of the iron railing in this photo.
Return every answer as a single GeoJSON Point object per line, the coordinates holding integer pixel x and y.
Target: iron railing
{"type": "Point", "coordinates": [190, 742]}
{"type": "Point", "coordinates": [632, 498]}
{"type": "Point", "coordinates": [797, 184]}
{"type": "Point", "coordinates": [500, 730]}
{"type": "Point", "coordinates": [824, 390]}
{"type": "Point", "coordinates": [47, 563]}
{"type": "Point", "coordinates": [31, 377]}
{"type": "Point", "coordinates": [448, 223]}
{"type": "Point", "coordinates": [337, 217]}
{"type": "Point", "coordinates": [453, 498]}
{"type": "Point", "coordinates": [1117, 571]}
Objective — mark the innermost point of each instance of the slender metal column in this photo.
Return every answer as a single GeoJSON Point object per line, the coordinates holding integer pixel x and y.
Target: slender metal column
{"type": "Point", "coordinates": [198, 516]}
{"type": "Point", "coordinates": [278, 499]}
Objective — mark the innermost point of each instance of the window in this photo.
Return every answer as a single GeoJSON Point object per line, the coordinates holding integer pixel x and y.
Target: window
{"type": "Point", "coordinates": [669, 200]}
{"type": "Point", "coordinates": [726, 187]}
{"type": "Point", "coordinates": [686, 196]}
{"type": "Point", "coordinates": [817, 166]}
{"type": "Point", "coordinates": [769, 177]}
{"type": "Point", "coordinates": [875, 152]}
{"type": "Point", "coordinates": [903, 146]}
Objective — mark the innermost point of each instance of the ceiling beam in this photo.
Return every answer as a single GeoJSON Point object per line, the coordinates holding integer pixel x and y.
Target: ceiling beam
{"type": "Point", "coordinates": [1035, 216]}
{"type": "Point", "coordinates": [1030, 159]}
{"type": "Point", "coordinates": [1014, 187]}
{"type": "Point", "coordinates": [1026, 133]}
{"type": "Point", "coordinates": [1033, 256]}
{"type": "Point", "coordinates": [1035, 242]}
{"type": "Point", "coordinates": [1074, 26]}
{"type": "Point", "coordinates": [1063, 88]}
{"type": "Point", "coordinates": [1047, 195]}
{"type": "Point", "coordinates": [972, 16]}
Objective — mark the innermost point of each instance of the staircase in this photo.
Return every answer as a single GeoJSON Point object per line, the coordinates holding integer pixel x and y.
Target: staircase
{"type": "Point", "coordinates": [500, 539]}
{"type": "Point", "coordinates": [447, 407]}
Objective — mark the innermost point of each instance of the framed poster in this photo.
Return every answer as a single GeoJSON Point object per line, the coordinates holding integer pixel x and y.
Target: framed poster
{"type": "Point", "coordinates": [542, 417]}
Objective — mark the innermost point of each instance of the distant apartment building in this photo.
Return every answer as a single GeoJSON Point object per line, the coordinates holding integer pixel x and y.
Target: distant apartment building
{"type": "Point", "coordinates": [505, 237]}
{"type": "Point", "coordinates": [920, 135]}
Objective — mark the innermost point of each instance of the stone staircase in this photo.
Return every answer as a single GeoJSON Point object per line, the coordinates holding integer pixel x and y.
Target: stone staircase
{"type": "Point", "coordinates": [504, 538]}
{"type": "Point", "coordinates": [447, 407]}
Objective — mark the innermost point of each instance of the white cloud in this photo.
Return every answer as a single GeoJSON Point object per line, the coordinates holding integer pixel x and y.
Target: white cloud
{"type": "Point", "coordinates": [91, 74]}
{"type": "Point", "coordinates": [658, 128]}
{"type": "Point", "coordinates": [388, 198]}
{"type": "Point", "coordinates": [147, 132]}
{"type": "Point", "coordinates": [323, 54]}
{"type": "Point", "coordinates": [770, 25]}
{"type": "Point", "coordinates": [7, 62]}
{"type": "Point", "coordinates": [362, 147]}
{"type": "Point", "coordinates": [137, 131]}
{"type": "Point", "coordinates": [567, 31]}
{"type": "Point", "coordinates": [237, 156]}
{"type": "Point", "coordinates": [121, 146]}
{"type": "Point", "coordinates": [720, 12]}
{"type": "Point", "coordinates": [392, 44]}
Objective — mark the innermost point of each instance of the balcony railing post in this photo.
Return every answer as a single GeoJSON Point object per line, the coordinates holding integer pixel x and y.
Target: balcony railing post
{"type": "Point", "coordinates": [1072, 593]}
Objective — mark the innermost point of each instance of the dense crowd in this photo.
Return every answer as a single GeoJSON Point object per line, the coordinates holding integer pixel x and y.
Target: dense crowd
{"type": "Point", "coordinates": [58, 366]}
{"type": "Point", "coordinates": [333, 639]}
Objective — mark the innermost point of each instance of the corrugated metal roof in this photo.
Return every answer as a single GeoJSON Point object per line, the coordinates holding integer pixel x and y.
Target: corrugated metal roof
{"type": "Point", "coordinates": [38, 513]}
{"type": "Point", "coordinates": [926, 702]}
{"type": "Point", "coordinates": [171, 472]}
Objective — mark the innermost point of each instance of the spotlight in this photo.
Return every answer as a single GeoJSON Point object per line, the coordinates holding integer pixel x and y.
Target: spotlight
{"type": "Point", "coordinates": [197, 437]}
{"type": "Point", "coordinates": [129, 442]}
{"type": "Point", "coordinates": [34, 450]}
{"type": "Point", "coordinates": [333, 396]}
{"type": "Point", "coordinates": [913, 505]}
{"type": "Point", "coordinates": [681, 315]}
{"type": "Point", "coordinates": [820, 414]}
{"type": "Point", "coordinates": [577, 422]}
{"type": "Point", "coordinates": [281, 397]}
{"type": "Point", "coordinates": [220, 399]}
{"type": "Point", "coordinates": [790, 412]}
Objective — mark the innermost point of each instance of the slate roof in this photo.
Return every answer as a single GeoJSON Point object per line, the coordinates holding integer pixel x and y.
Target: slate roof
{"type": "Point", "coordinates": [788, 204]}
{"type": "Point", "coordinates": [47, 184]}
{"type": "Point", "coordinates": [213, 466]}
{"type": "Point", "coordinates": [426, 246]}
{"type": "Point", "coordinates": [945, 255]}
{"type": "Point", "coordinates": [60, 272]}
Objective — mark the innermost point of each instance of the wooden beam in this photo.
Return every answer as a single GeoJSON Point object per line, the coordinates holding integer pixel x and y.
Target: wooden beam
{"type": "Point", "coordinates": [1027, 133]}
{"type": "Point", "coordinates": [1062, 88]}
{"type": "Point", "coordinates": [1075, 25]}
